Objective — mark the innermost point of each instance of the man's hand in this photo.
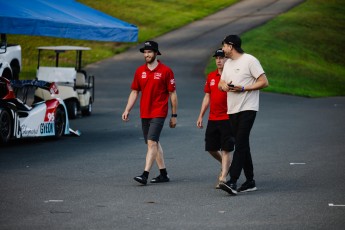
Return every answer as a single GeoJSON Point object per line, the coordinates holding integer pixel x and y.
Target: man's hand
{"type": "Point", "coordinates": [125, 116]}
{"type": "Point", "coordinates": [199, 123]}
{"type": "Point", "coordinates": [173, 122]}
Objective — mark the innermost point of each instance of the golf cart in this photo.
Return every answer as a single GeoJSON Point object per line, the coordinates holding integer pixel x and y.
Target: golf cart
{"type": "Point", "coordinates": [76, 89]}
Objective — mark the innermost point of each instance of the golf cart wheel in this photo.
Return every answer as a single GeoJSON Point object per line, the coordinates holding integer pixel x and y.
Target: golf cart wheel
{"type": "Point", "coordinates": [5, 126]}
{"type": "Point", "coordinates": [72, 108]}
{"type": "Point", "coordinates": [88, 110]}
{"type": "Point", "coordinates": [60, 122]}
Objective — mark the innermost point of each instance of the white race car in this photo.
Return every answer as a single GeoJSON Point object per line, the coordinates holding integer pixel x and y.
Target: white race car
{"type": "Point", "coordinates": [19, 120]}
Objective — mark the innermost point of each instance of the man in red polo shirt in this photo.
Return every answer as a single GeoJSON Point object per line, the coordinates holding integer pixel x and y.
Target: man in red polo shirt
{"type": "Point", "coordinates": [156, 83]}
{"type": "Point", "coordinates": [218, 137]}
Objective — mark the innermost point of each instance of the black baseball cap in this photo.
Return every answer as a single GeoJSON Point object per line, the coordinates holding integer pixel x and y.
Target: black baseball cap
{"type": "Point", "coordinates": [235, 41]}
{"type": "Point", "coordinates": [150, 45]}
{"type": "Point", "coordinates": [219, 53]}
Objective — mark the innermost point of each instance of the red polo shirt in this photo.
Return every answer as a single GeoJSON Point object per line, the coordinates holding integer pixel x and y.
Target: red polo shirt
{"type": "Point", "coordinates": [218, 104]}
{"type": "Point", "coordinates": [155, 86]}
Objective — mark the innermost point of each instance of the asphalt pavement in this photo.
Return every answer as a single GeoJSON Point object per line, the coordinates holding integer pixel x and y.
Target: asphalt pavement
{"type": "Point", "coordinates": [87, 182]}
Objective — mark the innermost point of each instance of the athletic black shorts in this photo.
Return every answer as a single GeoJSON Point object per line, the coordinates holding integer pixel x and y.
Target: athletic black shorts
{"type": "Point", "coordinates": [219, 136]}
{"type": "Point", "coordinates": [152, 128]}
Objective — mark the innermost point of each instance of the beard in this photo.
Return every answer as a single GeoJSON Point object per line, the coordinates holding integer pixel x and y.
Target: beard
{"type": "Point", "coordinates": [150, 60]}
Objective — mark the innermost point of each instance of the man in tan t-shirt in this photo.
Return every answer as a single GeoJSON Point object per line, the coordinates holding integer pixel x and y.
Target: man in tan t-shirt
{"type": "Point", "coordinates": [242, 78]}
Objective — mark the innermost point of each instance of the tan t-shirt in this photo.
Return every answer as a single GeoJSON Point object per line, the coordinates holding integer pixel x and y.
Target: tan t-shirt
{"type": "Point", "coordinates": [242, 71]}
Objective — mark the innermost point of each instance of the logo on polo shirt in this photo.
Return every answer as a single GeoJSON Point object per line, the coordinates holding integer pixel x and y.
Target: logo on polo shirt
{"type": "Point", "coordinates": [172, 81]}
{"type": "Point", "coordinates": [213, 82]}
{"type": "Point", "coordinates": [157, 76]}
{"type": "Point", "coordinates": [143, 75]}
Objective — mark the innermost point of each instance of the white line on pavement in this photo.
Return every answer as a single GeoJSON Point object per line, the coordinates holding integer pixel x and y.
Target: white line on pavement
{"type": "Point", "coordinates": [336, 205]}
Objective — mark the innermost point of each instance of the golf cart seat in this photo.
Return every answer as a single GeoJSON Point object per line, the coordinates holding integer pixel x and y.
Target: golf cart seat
{"type": "Point", "coordinates": [80, 82]}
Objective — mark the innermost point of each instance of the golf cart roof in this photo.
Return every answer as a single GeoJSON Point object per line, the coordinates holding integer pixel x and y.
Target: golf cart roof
{"type": "Point", "coordinates": [63, 48]}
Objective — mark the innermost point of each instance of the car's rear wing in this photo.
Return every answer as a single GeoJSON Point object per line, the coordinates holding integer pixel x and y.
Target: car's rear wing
{"type": "Point", "coordinates": [50, 86]}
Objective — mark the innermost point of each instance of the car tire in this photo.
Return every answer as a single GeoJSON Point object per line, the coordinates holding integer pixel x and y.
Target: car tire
{"type": "Point", "coordinates": [72, 108]}
{"type": "Point", "coordinates": [60, 122]}
{"type": "Point", "coordinates": [6, 126]}
{"type": "Point", "coordinates": [7, 73]}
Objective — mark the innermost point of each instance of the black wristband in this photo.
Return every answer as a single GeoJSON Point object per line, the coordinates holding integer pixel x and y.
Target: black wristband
{"type": "Point", "coordinates": [173, 115]}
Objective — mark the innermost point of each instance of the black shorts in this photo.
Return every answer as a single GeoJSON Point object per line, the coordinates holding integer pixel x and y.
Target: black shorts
{"type": "Point", "coordinates": [152, 128]}
{"type": "Point", "coordinates": [219, 136]}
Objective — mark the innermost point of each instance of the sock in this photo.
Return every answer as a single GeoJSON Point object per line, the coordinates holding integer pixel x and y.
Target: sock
{"type": "Point", "coordinates": [163, 172]}
{"type": "Point", "coordinates": [146, 174]}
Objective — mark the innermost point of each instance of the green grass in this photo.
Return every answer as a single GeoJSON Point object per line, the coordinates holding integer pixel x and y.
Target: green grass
{"type": "Point", "coordinates": [303, 50]}
{"type": "Point", "coordinates": [153, 18]}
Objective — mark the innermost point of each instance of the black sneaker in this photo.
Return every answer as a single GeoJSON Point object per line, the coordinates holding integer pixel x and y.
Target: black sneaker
{"type": "Point", "coordinates": [141, 179]}
{"type": "Point", "coordinates": [160, 179]}
{"type": "Point", "coordinates": [248, 186]}
{"type": "Point", "coordinates": [228, 187]}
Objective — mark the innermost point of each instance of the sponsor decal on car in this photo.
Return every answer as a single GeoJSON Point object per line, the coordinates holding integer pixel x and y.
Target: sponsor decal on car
{"type": "Point", "coordinates": [44, 129]}
{"type": "Point", "coordinates": [27, 132]}
{"type": "Point", "coordinates": [51, 107]}
{"type": "Point", "coordinates": [53, 89]}
{"type": "Point", "coordinates": [47, 128]}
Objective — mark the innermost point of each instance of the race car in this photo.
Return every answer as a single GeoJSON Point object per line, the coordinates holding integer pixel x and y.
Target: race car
{"type": "Point", "coordinates": [19, 120]}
